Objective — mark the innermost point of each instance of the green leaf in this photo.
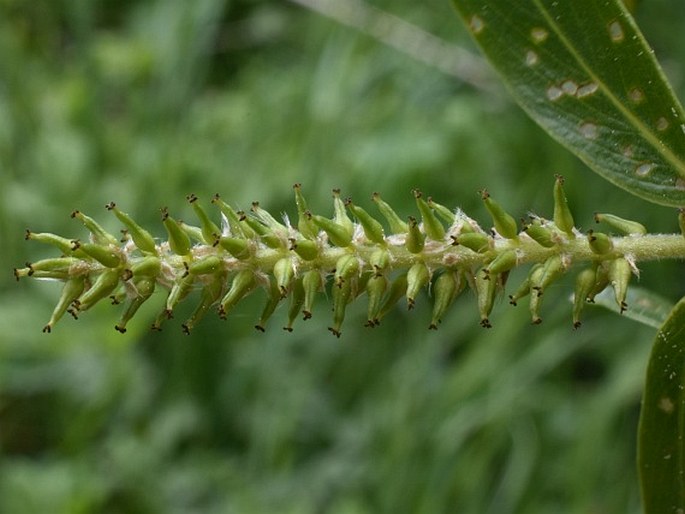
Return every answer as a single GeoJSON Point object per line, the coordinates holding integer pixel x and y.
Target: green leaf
{"type": "Point", "coordinates": [661, 444]}
{"type": "Point", "coordinates": [644, 306]}
{"type": "Point", "coordinates": [583, 71]}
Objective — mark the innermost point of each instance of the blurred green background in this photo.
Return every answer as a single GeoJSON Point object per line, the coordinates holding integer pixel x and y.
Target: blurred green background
{"type": "Point", "coordinates": [145, 101]}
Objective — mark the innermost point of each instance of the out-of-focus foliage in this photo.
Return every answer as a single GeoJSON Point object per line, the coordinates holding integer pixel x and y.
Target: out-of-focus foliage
{"type": "Point", "coordinates": [142, 102]}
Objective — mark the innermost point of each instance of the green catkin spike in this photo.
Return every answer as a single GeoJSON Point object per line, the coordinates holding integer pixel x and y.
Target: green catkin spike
{"type": "Point", "coordinates": [585, 282]}
{"type": "Point", "coordinates": [463, 224]}
{"type": "Point", "coordinates": [41, 274]}
{"type": "Point", "coordinates": [536, 279]}
{"type": "Point", "coordinates": [505, 261]}
{"type": "Point", "coordinates": [54, 267]}
{"type": "Point", "coordinates": [157, 324]}
{"type": "Point", "coordinates": [601, 281]}
{"type": "Point", "coordinates": [273, 299]}
{"type": "Point", "coordinates": [255, 230]}
{"type": "Point", "coordinates": [346, 270]}
{"type": "Point", "coordinates": [431, 224]}
{"type": "Point", "coordinates": [476, 241]}
{"type": "Point", "coordinates": [599, 242]}
{"type": "Point", "coordinates": [375, 289]}
{"type": "Point", "coordinates": [340, 213]}
{"type": "Point", "coordinates": [342, 295]}
{"type": "Point", "coordinates": [205, 265]}
{"type": "Point", "coordinates": [398, 289]}
{"type": "Point", "coordinates": [99, 235]}
{"type": "Point", "coordinates": [306, 249]}
{"type": "Point", "coordinates": [304, 224]}
{"type": "Point", "coordinates": [418, 277]}
{"type": "Point", "coordinates": [149, 266]}
{"type": "Point", "coordinates": [372, 227]}
{"type": "Point", "coordinates": [502, 279]}
{"type": "Point", "coordinates": [397, 226]}
{"type": "Point", "coordinates": [262, 215]}
{"type": "Point", "coordinates": [237, 247]}
{"type": "Point", "coordinates": [622, 226]}
{"type": "Point", "coordinates": [524, 289]}
{"type": "Point", "coordinates": [415, 239]}
{"type": "Point", "coordinates": [563, 218]}
{"type": "Point", "coordinates": [253, 225]}
{"type": "Point", "coordinates": [284, 272]}
{"type": "Point", "coordinates": [443, 212]}
{"type": "Point", "coordinates": [238, 229]}
{"type": "Point", "coordinates": [379, 261]}
{"type": "Point", "coordinates": [63, 244]}
{"type": "Point", "coordinates": [179, 290]}
{"type": "Point", "coordinates": [504, 223]}
{"type": "Point", "coordinates": [550, 271]}
{"type": "Point", "coordinates": [268, 236]}
{"type": "Point", "coordinates": [681, 220]}
{"type": "Point", "coordinates": [337, 234]}
{"type": "Point", "coordinates": [347, 284]}
{"type": "Point", "coordinates": [541, 234]}
{"type": "Point", "coordinates": [277, 228]}
{"type": "Point", "coordinates": [210, 294]}
{"type": "Point", "coordinates": [534, 306]}
{"type": "Point", "coordinates": [104, 255]}
{"type": "Point", "coordinates": [71, 291]}
{"type": "Point", "coordinates": [141, 237]}
{"type": "Point", "coordinates": [312, 282]}
{"type": "Point", "coordinates": [485, 293]}
{"type": "Point", "coordinates": [194, 233]}
{"type": "Point", "coordinates": [619, 276]}
{"type": "Point", "coordinates": [179, 242]}
{"type": "Point", "coordinates": [104, 266]}
{"type": "Point", "coordinates": [243, 283]}
{"type": "Point", "coordinates": [210, 231]}
{"type": "Point", "coordinates": [103, 286]}
{"type": "Point", "coordinates": [296, 302]}
{"type": "Point", "coordinates": [120, 294]}
{"type": "Point", "coordinates": [361, 281]}
{"type": "Point", "coordinates": [540, 278]}
{"type": "Point", "coordinates": [143, 290]}
{"type": "Point", "coordinates": [445, 289]}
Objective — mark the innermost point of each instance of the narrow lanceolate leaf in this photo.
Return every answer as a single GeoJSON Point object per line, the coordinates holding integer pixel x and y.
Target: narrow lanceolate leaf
{"type": "Point", "coordinates": [583, 71]}
{"type": "Point", "coordinates": [661, 444]}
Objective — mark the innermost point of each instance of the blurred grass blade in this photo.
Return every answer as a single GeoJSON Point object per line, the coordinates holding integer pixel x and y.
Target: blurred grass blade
{"type": "Point", "coordinates": [661, 448]}
{"type": "Point", "coordinates": [643, 306]}
{"type": "Point", "coordinates": [583, 71]}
